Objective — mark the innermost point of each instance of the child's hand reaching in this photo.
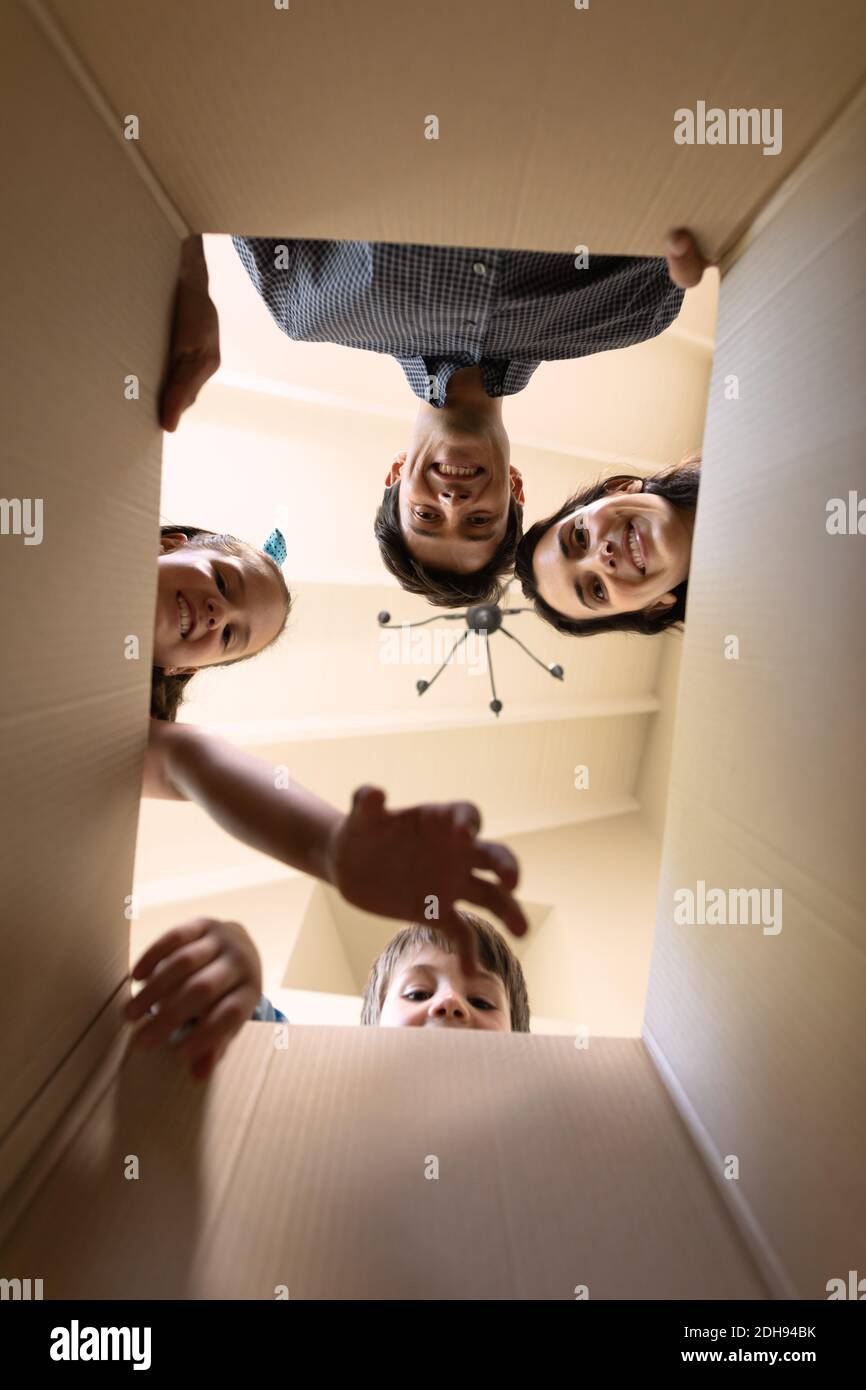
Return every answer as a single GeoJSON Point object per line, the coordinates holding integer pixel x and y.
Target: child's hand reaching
{"type": "Point", "coordinates": [205, 974]}
{"type": "Point", "coordinates": [415, 865]}
{"type": "Point", "coordinates": [412, 865]}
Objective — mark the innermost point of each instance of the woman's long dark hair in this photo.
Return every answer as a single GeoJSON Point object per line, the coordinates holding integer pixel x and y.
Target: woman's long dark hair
{"type": "Point", "coordinates": [679, 486]}
{"type": "Point", "coordinates": [167, 692]}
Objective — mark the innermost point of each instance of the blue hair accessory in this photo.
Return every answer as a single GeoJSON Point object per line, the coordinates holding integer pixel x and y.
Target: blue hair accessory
{"type": "Point", "coordinates": [275, 546]}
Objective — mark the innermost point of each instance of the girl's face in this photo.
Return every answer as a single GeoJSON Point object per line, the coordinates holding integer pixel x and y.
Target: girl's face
{"type": "Point", "coordinates": [622, 553]}
{"type": "Point", "coordinates": [212, 606]}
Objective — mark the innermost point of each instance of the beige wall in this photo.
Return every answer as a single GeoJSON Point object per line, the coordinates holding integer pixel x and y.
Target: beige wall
{"type": "Point", "coordinates": [589, 962]}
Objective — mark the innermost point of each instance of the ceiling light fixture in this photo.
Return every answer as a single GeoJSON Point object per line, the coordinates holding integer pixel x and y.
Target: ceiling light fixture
{"type": "Point", "coordinates": [485, 619]}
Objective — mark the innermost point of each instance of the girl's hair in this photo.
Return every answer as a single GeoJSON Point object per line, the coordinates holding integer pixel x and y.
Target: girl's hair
{"type": "Point", "coordinates": [494, 953]}
{"type": "Point", "coordinates": [679, 486]}
{"type": "Point", "coordinates": [167, 692]}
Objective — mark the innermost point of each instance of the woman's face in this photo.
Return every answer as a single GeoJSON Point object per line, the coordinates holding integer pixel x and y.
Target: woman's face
{"type": "Point", "coordinates": [212, 606]}
{"type": "Point", "coordinates": [625, 552]}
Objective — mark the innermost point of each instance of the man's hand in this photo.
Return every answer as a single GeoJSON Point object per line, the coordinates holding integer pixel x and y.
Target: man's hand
{"type": "Point", "coordinates": [686, 265]}
{"type": "Point", "coordinates": [413, 864]}
{"type": "Point", "coordinates": [205, 974]}
{"type": "Point", "coordinates": [194, 353]}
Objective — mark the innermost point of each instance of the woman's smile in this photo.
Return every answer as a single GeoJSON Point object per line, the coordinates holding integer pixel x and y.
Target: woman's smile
{"type": "Point", "coordinates": [187, 615]}
{"type": "Point", "coordinates": [634, 547]}
{"type": "Point", "coordinates": [619, 553]}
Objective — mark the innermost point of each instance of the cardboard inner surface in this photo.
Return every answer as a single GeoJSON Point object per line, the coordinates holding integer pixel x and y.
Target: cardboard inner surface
{"type": "Point", "coordinates": [89, 270]}
{"type": "Point", "coordinates": [558, 1166]}
{"type": "Point", "coordinates": [765, 1032]}
{"type": "Point", "coordinates": [306, 140]}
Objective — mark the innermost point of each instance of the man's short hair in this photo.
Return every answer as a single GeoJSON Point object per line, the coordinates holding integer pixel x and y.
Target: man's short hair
{"type": "Point", "coordinates": [494, 954]}
{"type": "Point", "coordinates": [441, 587]}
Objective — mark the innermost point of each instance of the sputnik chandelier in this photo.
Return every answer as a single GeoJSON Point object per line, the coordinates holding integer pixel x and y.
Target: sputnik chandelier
{"type": "Point", "coordinates": [485, 619]}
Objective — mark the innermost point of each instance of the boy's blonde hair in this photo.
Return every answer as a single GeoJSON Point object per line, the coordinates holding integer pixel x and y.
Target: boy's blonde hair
{"type": "Point", "coordinates": [494, 954]}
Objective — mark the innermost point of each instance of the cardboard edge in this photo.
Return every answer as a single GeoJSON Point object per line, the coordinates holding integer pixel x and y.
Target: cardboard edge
{"type": "Point", "coordinates": [35, 1142]}
{"type": "Point", "coordinates": [747, 1225]}
{"type": "Point", "coordinates": [55, 36]}
{"type": "Point", "coordinates": [105, 1077]}
{"type": "Point", "coordinates": [781, 195]}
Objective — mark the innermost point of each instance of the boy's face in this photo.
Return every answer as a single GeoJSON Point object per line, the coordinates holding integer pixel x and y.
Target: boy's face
{"type": "Point", "coordinates": [429, 990]}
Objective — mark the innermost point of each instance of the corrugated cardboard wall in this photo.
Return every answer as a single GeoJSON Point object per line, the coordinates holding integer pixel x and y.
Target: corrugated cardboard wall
{"type": "Point", "coordinates": [317, 128]}
{"type": "Point", "coordinates": [88, 270]}
{"type": "Point", "coordinates": [381, 1163]}
{"type": "Point", "coordinates": [766, 1033]}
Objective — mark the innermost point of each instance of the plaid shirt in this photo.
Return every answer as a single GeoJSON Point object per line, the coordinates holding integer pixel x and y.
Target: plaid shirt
{"type": "Point", "coordinates": [438, 309]}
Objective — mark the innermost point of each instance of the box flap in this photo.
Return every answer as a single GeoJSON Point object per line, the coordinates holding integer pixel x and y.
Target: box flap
{"type": "Point", "coordinates": [386, 1163]}
{"type": "Point", "coordinates": [310, 121]}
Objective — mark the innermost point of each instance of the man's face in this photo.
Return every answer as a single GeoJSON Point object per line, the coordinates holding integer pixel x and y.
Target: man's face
{"type": "Point", "coordinates": [430, 990]}
{"type": "Point", "coordinates": [455, 486]}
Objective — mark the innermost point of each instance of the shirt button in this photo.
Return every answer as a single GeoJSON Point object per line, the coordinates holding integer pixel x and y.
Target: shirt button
{"type": "Point", "coordinates": [480, 268]}
{"type": "Point", "coordinates": [469, 323]}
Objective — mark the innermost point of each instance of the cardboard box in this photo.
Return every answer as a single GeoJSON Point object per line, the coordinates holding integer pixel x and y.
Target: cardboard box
{"type": "Point", "coordinates": [762, 1032]}
{"type": "Point", "coordinates": [264, 122]}
{"type": "Point", "coordinates": [559, 1166]}
{"type": "Point", "coordinates": [293, 1171]}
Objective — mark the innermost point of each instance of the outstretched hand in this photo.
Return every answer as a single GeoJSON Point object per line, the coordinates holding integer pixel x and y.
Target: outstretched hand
{"type": "Point", "coordinates": [415, 865]}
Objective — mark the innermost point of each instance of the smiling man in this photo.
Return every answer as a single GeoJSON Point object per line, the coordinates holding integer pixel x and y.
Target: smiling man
{"type": "Point", "coordinates": [468, 325]}
{"type": "Point", "coordinates": [451, 516]}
